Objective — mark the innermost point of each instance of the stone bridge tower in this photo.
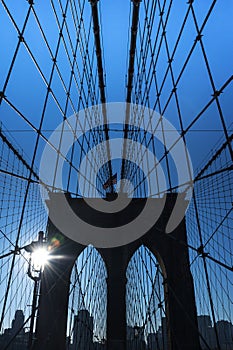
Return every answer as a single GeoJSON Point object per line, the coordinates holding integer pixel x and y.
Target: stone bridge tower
{"type": "Point", "coordinates": [178, 283]}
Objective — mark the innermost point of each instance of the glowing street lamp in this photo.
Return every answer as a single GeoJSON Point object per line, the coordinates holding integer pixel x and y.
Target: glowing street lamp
{"type": "Point", "coordinates": [38, 258]}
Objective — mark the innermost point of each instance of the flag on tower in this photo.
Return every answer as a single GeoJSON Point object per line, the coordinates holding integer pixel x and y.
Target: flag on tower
{"type": "Point", "coordinates": [112, 180]}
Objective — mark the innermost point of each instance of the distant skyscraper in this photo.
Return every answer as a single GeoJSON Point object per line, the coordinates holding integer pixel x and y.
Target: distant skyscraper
{"type": "Point", "coordinates": [225, 334]}
{"type": "Point", "coordinates": [207, 331]}
{"type": "Point", "coordinates": [15, 338]}
{"type": "Point", "coordinates": [158, 340]}
{"type": "Point", "coordinates": [152, 341]}
{"type": "Point", "coordinates": [83, 331]}
{"type": "Point", "coordinates": [17, 323]}
{"type": "Point", "coordinates": [135, 338]}
{"type": "Point", "coordinates": [208, 338]}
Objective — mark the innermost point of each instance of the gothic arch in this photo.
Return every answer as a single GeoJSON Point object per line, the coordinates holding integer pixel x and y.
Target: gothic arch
{"type": "Point", "coordinates": [87, 306]}
{"type": "Point", "coordinates": [146, 325]}
{"type": "Point", "coordinates": [178, 285]}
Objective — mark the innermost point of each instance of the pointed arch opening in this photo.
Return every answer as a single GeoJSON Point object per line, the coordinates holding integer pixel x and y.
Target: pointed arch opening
{"type": "Point", "coordinates": [87, 307]}
{"type": "Point", "coordinates": [145, 302]}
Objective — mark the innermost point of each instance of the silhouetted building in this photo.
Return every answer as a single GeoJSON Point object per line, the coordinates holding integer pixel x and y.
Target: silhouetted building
{"type": "Point", "coordinates": [15, 337]}
{"type": "Point", "coordinates": [99, 345]}
{"type": "Point", "coordinates": [207, 336]}
{"type": "Point", "coordinates": [153, 341]}
{"type": "Point", "coordinates": [135, 338]}
{"type": "Point", "coordinates": [18, 323]}
{"type": "Point", "coordinates": [83, 331]}
{"type": "Point", "coordinates": [207, 331]}
{"type": "Point", "coordinates": [225, 334]}
{"type": "Point", "coordinates": [158, 340]}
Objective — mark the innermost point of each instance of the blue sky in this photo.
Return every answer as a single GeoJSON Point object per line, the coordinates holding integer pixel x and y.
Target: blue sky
{"type": "Point", "coordinates": [26, 89]}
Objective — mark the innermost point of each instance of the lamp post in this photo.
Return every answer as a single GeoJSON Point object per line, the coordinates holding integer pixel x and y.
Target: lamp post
{"type": "Point", "coordinates": [38, 256]}
{"type": "Point", "coordinates": [33, 312]}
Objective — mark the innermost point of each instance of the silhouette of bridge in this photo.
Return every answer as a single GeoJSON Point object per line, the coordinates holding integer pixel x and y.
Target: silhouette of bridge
{"type": "Point", "coordinates": [161, 290]}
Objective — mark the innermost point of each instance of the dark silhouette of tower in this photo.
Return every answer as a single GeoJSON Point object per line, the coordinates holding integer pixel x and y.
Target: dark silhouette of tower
{"type": "Point", "coordinates": [173, 257]}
